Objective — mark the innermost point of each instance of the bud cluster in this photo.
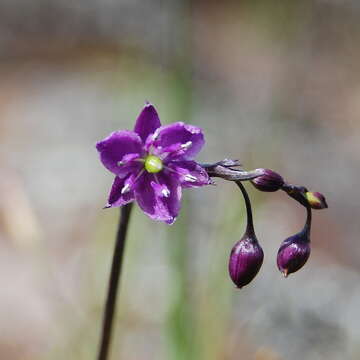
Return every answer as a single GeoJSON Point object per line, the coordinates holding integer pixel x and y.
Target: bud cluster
{"type": "Point", "coordinates": [247, 256]}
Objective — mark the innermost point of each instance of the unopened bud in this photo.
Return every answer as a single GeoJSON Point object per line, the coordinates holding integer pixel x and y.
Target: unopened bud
{"type": "Point", "coordinates": [270, 181]}
{"type": "Point", "coordinates": [316, 200]}
{"type": "Point", "coordinates": [245, 261]}
{"type": "Point", "coordinates": [293, 253]}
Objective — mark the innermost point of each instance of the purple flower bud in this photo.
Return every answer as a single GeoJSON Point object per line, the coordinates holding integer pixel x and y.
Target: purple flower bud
{"type": "Point", "coordinates": [247, 255]}
{"type": "Point", "coordinates": [246, 259]}
{"type": "Point", "coordinates": [295, 250]}
{"type": "Point", "coordinates": [316, 200]}
{"type": "Point", "coordinates": [293, 253]}
{"type": "Point", "coordinates": [270, 181]}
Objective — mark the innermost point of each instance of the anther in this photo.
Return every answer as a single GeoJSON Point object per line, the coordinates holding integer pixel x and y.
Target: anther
{"type": "Point", "coordinates": [190, 178]}
{"type": "Point", "coordinates": [186, 145]}
{"type": "Point", "coordinates": [165, 192]}
{"type": "Point", "coordinates": [125, 189]}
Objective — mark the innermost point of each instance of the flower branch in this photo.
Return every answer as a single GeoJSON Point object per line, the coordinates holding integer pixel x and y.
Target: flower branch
{"type": "Point", "coordinates": [225, 169]}
{"type": "Point", "coordinates": [152, 165]}
{"type": "Point", "coordinates": [265, 180]}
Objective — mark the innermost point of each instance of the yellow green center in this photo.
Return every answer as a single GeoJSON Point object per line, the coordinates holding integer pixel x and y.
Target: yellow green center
{"type": "Point", "coordinates": [153, 164]}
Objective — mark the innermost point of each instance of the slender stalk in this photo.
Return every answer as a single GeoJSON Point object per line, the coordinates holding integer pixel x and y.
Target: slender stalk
{"type": "Point", "coordinates": [225, 169]}
{"type": "Point", "coordinates": [307, 226]}
{"type": "Point", "coordinates": [115, 273]}
{"type": "Point", "coordinates": [250, 223]}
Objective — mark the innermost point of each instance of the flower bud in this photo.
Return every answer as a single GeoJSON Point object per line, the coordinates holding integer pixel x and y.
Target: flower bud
{"type": "Point", "coordinates": [316, 200]}
{"type": "Point", "coordinates": [270, 181]}
{"type": "Point", "coordinates": [293, 253]}
{"type": "Point", "coordinates": [245, 261]}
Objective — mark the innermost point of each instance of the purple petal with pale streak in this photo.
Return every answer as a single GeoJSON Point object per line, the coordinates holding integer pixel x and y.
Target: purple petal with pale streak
{"type": "Point", "coordinates": [183, 168]}
{"type": "Point", "coordinates": [113, 148]}
{"type": "Point", "coordinates": [129, 164]}
{"type": "Point", "coordinates": [178, 133]}
{"type": "Point", "coordinates": [161, 190]}
{"type": "Point", "coordinates": [153, 202]}
{"type": "Point", "coordinates": [164, 152]}
{"type": "Point", "coordinates": [115, 197]}
{"type": "Point", "coordinates": [169, 152]}
{"type": "Point", "coordinates": [129, 157]}
{"type": "Point", "coordinates": [147, 122]}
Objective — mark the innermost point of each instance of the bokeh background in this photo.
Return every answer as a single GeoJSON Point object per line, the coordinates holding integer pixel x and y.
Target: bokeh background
{"type": "Point", "coordinates": [273, 83]}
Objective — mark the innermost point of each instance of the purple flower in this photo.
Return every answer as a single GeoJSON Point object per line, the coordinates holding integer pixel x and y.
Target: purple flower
{"type": "Point", "coordinates": [293, 253]}
{"type": "Point", "coordinates": [152, 164]}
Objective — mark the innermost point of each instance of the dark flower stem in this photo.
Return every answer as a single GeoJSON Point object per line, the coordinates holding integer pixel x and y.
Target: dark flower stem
{"type": "Point", "coordinates": [250, 223]}
{"type": "Point", "coordinates": [109, 311]}
{"type": "Point", "coordinates": [225, 169]}
{"type": "Point", "coordinates": [307, 226]}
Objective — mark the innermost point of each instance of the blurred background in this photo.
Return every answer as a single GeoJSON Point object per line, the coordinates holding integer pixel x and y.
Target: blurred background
{"type": "Point", "coordinates": [273, 83]}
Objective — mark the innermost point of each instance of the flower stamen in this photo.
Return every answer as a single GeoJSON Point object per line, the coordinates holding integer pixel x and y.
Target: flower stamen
{"type": "Point", "coordinates": [171, 170]}
{"type": "Point", "coordinates": [186, 145]}
{"type": "Point", "coordinates": [155, 135]}
{"type": "Point", "coordinates": [190, 178]}
{"type": "Point", "coordinates": [138, 176]}
{"type": "Point", "coordinates": [128, 161]}
{"type": "Point", "coordinates": [165, 191]}
{"type": "Point", "coordinates": [125, 189]}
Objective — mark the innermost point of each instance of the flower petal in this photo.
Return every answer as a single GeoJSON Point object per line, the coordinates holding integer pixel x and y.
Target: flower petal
{"type": "Point", "coordinates": [189, 137]}
{"type": "Point", "coordinates": [159, 196]}
{"type": "Point", "coordinates": [118, 196]}
{"type": "Point", "coordinates": [190, 174]}
{"type": "Point", "coordinates": [113, 149]}
{"type": "Point", "coordinates": [147, 122]}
